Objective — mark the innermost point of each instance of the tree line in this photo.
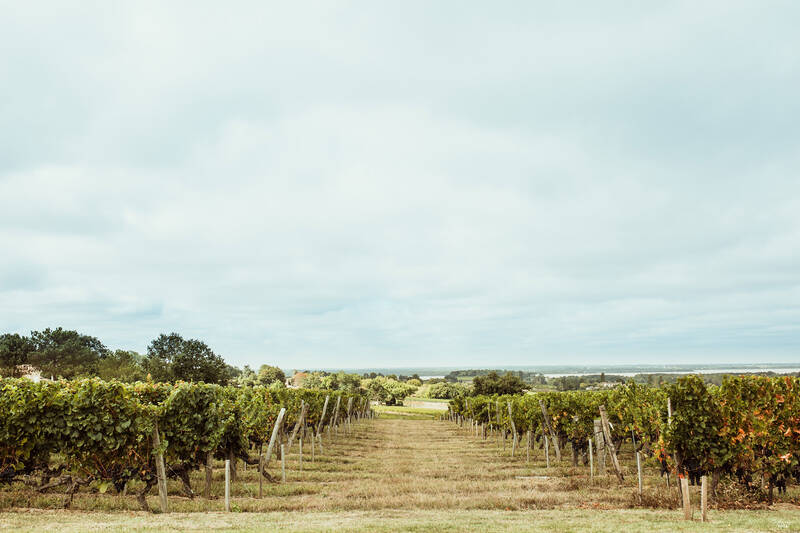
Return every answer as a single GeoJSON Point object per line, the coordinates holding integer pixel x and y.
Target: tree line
{"type": "Point", "coordinates": [63, 353]}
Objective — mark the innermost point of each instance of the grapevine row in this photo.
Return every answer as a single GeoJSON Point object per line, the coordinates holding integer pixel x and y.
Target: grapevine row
{"type": "Point", "coordinates": [747, 428]}
{"type": "Point", "coordinates": [102, 431]}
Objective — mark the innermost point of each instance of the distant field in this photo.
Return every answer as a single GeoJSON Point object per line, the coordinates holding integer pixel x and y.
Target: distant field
{"type": "Point", "coordinates": [427, 403]}
{"type": "Point", "coordinates": [432, 400]}
{"type": "Point", "coordinates": [404, 412]}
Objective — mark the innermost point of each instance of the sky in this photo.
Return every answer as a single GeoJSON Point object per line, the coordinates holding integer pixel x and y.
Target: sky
{"type": "Point", "coordinates": [357, 184]}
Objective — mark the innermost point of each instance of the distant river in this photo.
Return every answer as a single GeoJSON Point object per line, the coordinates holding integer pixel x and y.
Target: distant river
{"type": "Point", "coordinates": [732, 370]}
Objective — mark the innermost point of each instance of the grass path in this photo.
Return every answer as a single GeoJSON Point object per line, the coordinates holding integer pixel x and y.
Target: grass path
{"type": "Point", "coordinates": [392, 475]}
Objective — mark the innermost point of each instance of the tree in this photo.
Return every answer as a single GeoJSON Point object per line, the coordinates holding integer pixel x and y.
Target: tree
{"type": "Point", "coordinates": [15, 350]}
{"type": "Point", "coordinates": [160, 352]}
{"type": "Point", "coordinates": [270, 374]}
{"type": "Point", "coordinates": [66, 353]}
{"type": "Point", "coordinates": [122, 365]}
{"type": "Point", "coordinates": [565, 383]}
{"type": "Point", "coordinates": [171, 358]}
{"type": "Point", "coordinates": [338, 381]}
{"type": "Point", "coordinates": [492, 383]}
{"type": "Point", "coordinates": [316, 380]}
{"type": "Point", "coordinates": [247, 377]}
{"type": "Point", "coordinates": [387, 390]}
{"type": "Point", "coordinates": [348, 382]}
{"type": "Point", "coordinates": [446, 391]}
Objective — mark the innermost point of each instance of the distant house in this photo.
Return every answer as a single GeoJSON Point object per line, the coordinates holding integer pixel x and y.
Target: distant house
{"type": "Point", "coordinates": [603, 385]}
{"type": "Point", "coordinates": [30, 372]}
{"type": "Point", "coordinates": [296, 381]}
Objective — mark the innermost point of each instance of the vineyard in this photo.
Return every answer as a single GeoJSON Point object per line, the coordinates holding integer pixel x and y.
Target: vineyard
{"type": "Point", "coordinates": [316, 459]}
{"type": "Point", "coordinates": [67, 435]}
{"type": "Point", "coordinates": [747, 429]}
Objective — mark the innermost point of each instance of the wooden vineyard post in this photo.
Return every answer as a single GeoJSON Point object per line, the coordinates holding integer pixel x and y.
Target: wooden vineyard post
{"type": "Point", "coordinates": [549, 427]}
{"type": "Point", "coordinates": [497, 416]}
{"type": "Point", "coordinates": [273, 439]}
{"type": "Point", "coordinates": [591, 462]}
{"type": "Point", "coordinates": [703, 499]}
{"type": "Point", "coordinates": [687, 504]}
{"type": "Point", "coordinates": [349, 407]}
{"type": "Point", "coordinates": [261, 471]}
{"type": "Point", "coordinates": [161, 472]}
{"type": "Point", "coordinates": [320, 445]}
{"type": "Point", "coordinates": [600, 442]}
{"type": "Point", "coordinates": [283, 464]}
{"type": "Point", "coordinates": [639, 472]}
{"type": "Point", "coordinates": [528, 448]}
{"type": "Point", "coordinates": [669, 412]}
{"type": "Point", "coordinates": [322, 418]}
{"type": "Point", "coordinates": [297, 425]}
{"type": "Point", "coordinates": [546, 452]}
{"type": "Point", "coordinates": [209, 475]}
{"type": "Point", "coordinates": [610, 444]}
{"type": "Point", "coordinates": [312, 448]}
{"type": "Point", "coordinates": [336, 412]}
{"type": "Point", "coordinates": [227, 485]}
{"type": "Point", "coordinates": [301, 454]}
{"type": "Point", "coordinates": [513, 429]}
{"type": "Point", "coordinates": [669, 424]}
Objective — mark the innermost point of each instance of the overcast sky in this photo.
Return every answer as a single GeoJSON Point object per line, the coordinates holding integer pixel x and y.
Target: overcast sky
{"type": "Point", "coordinates": [372, 183]}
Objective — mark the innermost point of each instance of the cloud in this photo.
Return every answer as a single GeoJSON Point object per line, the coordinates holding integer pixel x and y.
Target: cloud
{"type": "Point", "coordinates": [405, 185]}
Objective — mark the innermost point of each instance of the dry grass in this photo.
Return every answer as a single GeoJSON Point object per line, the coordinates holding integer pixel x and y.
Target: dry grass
{"type": "Point", "coordinates": [406, 468]}
{"type": "Point", "coordinates": [630, 521]}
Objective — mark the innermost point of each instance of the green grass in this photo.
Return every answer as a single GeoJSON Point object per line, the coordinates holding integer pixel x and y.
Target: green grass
{"type": "Point", "coordinates": [433, 400]}
{"type": "Point", "coordinates": [406, 413]}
